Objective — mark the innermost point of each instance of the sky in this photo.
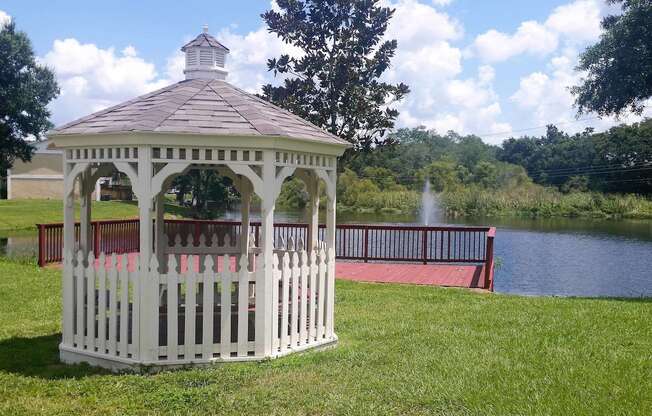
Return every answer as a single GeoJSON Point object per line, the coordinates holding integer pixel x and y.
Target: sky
{"type": "Point", "coordinates": [496, 69]}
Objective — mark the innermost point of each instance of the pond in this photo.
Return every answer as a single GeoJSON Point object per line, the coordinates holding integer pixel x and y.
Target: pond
{"type": "Point", "coordinates": [561, 257]}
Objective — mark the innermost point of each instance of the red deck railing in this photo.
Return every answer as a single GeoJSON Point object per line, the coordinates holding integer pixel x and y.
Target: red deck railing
{"type": "Point", "coordinates": [352, 241]}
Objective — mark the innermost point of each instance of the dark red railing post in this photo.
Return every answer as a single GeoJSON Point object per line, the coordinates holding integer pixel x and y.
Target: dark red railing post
{"type": "Point", "coordinates": [197, 231]}
{"type": "Point", "coordinates": [41, 244]}
{"type": "Point", "coordinates": [366, 244]}
{"type": "Point", "coordinates": [489, 260]}
{"type": "Point", "coordinates": [424, 245]}
{"type": "Point", "coordinates": [96, 238]}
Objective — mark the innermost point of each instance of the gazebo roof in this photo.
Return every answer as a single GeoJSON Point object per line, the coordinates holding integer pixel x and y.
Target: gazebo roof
{"type": "Point", "coordinates": [204, 40]}
{"type": "Point", "coordinates": [201, 107]}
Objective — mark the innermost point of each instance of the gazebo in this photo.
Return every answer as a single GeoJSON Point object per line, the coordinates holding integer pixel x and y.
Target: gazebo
{"type": "Point", "coordinates": [220, 297]}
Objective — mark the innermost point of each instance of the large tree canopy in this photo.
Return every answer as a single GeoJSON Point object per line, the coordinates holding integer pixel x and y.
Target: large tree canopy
{"type": "Point", "coordinates": [619, 66]}
{"type": "Point", "coordinates": [25, 90]}
{"type": "Point", "coordinates": [335, 82]}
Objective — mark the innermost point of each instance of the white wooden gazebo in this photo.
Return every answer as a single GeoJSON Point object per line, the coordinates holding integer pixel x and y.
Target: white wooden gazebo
{"type": "Point", "coordinates": [181, 302]}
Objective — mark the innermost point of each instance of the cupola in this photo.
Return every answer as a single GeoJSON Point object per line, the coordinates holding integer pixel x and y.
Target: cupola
{"type": "Point", "coordinates": [205, 57]}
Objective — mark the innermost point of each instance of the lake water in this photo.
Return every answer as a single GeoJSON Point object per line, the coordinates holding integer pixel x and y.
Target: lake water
{"type": "Point", "coordinates": [563, 257]}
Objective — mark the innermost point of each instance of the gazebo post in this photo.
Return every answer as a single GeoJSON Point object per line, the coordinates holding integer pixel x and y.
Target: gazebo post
{"type": "Point", "coordinates": [148, 292]}
{"type": "Point", "coordinates": [245, 206]}
{"type": "Point", "coordinates": [159, 225]}
{"type": "Point", "coordinates": [68, 252]}
{"type": "Point", "coordinates": [313, 206]}
{"type": "Point", "coordinates": [331, 206]}
{"type": "Point", "coordinates": [264, 296]}
{"type": "Point", "coordinates": [85, 233]}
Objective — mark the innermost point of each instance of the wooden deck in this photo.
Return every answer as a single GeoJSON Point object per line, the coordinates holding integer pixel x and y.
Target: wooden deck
{"type": "Point", "coordinates": [462, 275]}
{"type": "Point", "coordinates": [447, 275]}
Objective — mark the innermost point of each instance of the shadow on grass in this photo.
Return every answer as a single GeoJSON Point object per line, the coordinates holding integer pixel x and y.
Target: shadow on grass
{"type": "Point", "coordinates": [39, 357]}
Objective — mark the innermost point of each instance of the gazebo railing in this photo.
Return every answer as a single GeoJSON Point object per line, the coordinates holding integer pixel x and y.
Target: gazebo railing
{"type": "Point", "coordinates": [205, 311]}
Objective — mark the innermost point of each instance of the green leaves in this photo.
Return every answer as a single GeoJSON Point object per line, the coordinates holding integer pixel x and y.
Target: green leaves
{"type": "Point", "coordinates": [334, 83]}
{"type": "Point", "coordinates": [618, 67]}
{"type": "Point", "coordinates": [25, 90]}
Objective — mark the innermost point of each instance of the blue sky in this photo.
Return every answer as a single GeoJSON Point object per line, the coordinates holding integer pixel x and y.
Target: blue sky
{"type": "Point", "coordinates": [492, 68]}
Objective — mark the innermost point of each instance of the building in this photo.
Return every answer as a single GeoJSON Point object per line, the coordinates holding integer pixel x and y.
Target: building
{"type": "Point", "coordinates": [42, 177]}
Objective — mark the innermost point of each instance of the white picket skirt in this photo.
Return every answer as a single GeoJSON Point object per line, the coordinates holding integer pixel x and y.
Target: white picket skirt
{"type": "Point", "coordinates": [204, 312]}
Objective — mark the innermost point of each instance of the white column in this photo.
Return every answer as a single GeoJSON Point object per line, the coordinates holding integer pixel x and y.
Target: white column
{"type": "Point", "coordinates": [69, 253]}
{"type": "Point", "coordinates": [160, 230]}
{"type": "Point", "coordinates": [313, 211]}
{"type": "Point", "coordinates": [85, 232]}
{"type": "Point", "coordinates": [245, 193]}
{"type": "Point", "coordinates": [330, 246]}
{"type": "Point", "coordinates": [98, 189]}
{"type": "Point", "coordinates": [264, 307]}
{"type": "Point", "coordinates": [145, 202]}
{"type": "Point", "coordinates": [148, 280]}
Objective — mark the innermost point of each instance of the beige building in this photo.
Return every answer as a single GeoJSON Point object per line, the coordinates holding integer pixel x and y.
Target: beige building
{"type": "Point", "coordinates": [42, 178]}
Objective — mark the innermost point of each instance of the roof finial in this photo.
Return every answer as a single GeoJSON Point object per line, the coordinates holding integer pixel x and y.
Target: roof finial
{"type": "Point", "coordinates": [205, 28]}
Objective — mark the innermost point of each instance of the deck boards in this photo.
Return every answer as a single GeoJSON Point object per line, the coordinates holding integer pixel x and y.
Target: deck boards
{"type": "Point", "coordinates": [468, 276]}
{"type": "Point", "coordinates": [450, 275]}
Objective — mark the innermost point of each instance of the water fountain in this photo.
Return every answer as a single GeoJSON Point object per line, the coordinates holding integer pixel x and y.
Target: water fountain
{"type": "Point", "coordinates": [429, 205]}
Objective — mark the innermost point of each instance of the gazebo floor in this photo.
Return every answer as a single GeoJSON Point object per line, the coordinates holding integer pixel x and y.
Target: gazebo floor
{"type": "Point", "coordinates": [452, 275]}
{"type": "Point", "coordinates": [448, 275]}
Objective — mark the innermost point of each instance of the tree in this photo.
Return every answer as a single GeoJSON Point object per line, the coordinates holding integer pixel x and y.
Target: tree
{"type": "Point", "coordinates": [335, 82]}
{"type": "Point", "coordinates": [442, 175]}
{"type": "Point", "coordinates": [208, 191]}
{"type": "Point", "coordinates": [619, 66]}
{"type": "Point", "coordinates": [25, 90]}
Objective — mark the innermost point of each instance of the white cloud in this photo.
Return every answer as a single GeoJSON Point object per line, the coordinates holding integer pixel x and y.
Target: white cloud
{"type": "Point", "coordinates": [531, 37]}
{"type": "Point", "coordinates": [465, 105]}
{"type": "Point", "coordinates": [543, 97]}
{"type": "Point", "coordinates": [247, 60]}
{"type": "Point", "coordinates": [579, 21]}
{"type": "Point", "coordinates": [573, 24]}
{"type": "Point", "coordinates": [4, 18]}
{"type": "Point", "coordinates": [429, 62]}
{"type": "Point", "coordinates": [92, 78]}
{"type": "Point", "coordinates": [414, 24]}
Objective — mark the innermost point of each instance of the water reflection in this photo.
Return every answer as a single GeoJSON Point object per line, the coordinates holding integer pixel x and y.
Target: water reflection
{"type": "Point", "coordinates": [18, 244]}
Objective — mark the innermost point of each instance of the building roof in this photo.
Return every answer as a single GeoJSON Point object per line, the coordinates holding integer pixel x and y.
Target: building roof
{"type": "Point", "coordinates": [199, 106]}
{"type": "Point", "coordinates": [43, 147]}
{"type": "Point", "coordinates": [205, 40]}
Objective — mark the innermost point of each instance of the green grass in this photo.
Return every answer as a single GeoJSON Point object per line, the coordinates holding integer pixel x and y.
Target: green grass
{"type": "Point", "coordinates": [403, 350]}
{"type": "Point", "coordinates": [17, 214]}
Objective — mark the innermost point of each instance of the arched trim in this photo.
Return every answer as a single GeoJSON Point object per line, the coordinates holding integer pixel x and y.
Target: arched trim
{"type": "Point", "coordinates": [169, 170]}
{"type": "Point", "coordinates": [330, 179]}
{"type": "Point", "coordinates": [132, 174]}
{"type": "Point", "coordinates": [69, 181]}
{"type": "Point", "coordinates": [256, 181]}
{"type": "Point", "coordinates": [281, 175]}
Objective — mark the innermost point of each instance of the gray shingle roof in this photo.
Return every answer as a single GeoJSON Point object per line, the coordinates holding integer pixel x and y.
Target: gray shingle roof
{"type": "Point", "coordinates": [199, 106]}
{"type": "Point", "coordinates": [204, 39]}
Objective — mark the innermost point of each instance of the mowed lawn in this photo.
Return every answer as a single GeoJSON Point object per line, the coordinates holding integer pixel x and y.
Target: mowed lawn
{"type": "Point", "coordinates": [409, 350]}
{"type": "Point", "coordinates": [23, 214]}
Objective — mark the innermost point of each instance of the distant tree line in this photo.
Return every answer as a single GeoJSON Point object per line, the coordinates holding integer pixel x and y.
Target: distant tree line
{"type": "Point", "coordinates": [618, 160]}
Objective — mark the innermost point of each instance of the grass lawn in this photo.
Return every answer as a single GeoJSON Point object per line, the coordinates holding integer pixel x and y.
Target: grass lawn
{"type": "Point", "coordinates": [17, 214]}
{"type": "Point", "coordinates": [403, 350]}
